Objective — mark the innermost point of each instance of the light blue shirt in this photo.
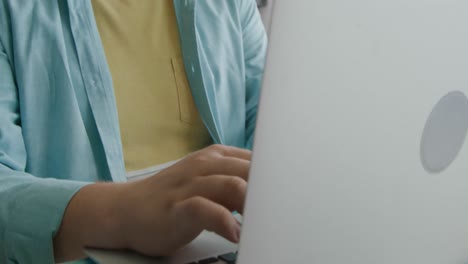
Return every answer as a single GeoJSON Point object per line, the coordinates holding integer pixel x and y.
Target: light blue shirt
{"type": "Point", "coordinates": [58, 120]}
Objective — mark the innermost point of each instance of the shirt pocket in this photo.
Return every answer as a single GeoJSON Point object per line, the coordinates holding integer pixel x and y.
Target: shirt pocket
{"type": "Point", "coordinates": [188, 111]}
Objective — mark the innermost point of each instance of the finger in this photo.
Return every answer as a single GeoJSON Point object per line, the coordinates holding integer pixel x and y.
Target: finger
{"type": "Point", "coordinates": [228, 191]}
{"type": "Point", "coordinates": [226, 166]}
{"type": "Point", "coordinates": [233, 152]}
{"type": "Point", "coordinates": [204, 214]}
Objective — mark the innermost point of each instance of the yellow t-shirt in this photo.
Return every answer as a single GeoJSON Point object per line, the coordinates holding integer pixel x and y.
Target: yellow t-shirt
{"type": "Point", "coordinates": [158, 118]}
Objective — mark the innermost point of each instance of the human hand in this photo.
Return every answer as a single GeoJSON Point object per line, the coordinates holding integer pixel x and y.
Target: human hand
{"type": "Point", "coordinates": [164, 212]}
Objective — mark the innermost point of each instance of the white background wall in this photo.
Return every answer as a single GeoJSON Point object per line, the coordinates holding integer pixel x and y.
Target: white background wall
{"type": "Point", "coordinates": [265, 11]}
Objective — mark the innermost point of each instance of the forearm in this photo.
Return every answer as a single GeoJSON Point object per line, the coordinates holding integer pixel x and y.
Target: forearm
{"type": "Point", "coordinates": [91, 220]}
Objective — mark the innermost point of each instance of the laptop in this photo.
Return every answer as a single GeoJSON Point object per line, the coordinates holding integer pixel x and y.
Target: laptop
{"type": "Point", "coordinates": [360, 154]}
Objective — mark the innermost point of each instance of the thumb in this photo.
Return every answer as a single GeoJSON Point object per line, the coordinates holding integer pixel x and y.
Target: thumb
{"type": "Point", "coordinates": [205, 214]}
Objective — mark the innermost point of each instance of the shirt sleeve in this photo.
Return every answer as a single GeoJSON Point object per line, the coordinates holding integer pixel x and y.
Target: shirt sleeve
{"type": "Point", "coordinates": [31, 208]}
{"type": "Point", "coordinates": [255, 47]}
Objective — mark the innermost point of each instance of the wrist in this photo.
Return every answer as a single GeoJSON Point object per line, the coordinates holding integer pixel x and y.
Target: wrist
{"type": "Point", "coordinates": [114, 216]}
{"type": "Point", "coordinates": [90, 220]}
{"type": "Point", "coordinates": [122, 213]}
{"type": "Point", "coordinates": [102, 225]}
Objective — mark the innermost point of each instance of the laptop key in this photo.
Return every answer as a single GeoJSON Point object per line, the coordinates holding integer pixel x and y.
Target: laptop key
{"type": "Point", "coordinates": [208, 261]}
{"type": "Point", "coordinates": [230, 258]}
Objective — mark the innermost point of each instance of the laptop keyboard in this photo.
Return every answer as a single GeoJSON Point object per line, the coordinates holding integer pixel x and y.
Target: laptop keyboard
{"type": "Point", "coordinates": [229, 258]}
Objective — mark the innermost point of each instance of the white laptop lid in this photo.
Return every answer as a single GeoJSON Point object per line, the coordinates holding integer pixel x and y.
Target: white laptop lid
{"type": "Point", "coordinates": [359, 155]}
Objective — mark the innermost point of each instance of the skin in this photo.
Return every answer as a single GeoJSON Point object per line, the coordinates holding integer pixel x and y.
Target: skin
{"type": "Point", "coordinates": [160, 214]}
